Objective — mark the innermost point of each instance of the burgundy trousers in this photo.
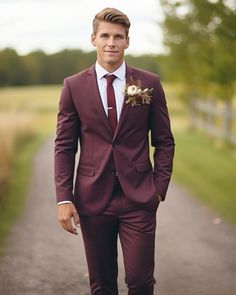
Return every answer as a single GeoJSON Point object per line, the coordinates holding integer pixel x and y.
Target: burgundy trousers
{"type": "Point", "coordinates": [136, 230]}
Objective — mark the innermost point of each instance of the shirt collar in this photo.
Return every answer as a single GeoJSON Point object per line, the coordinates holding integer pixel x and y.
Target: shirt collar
{"type": "Point", "coordinates": [119, 73]}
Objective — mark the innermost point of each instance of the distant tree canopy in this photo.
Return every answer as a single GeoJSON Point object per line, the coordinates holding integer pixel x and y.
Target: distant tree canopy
{"type": "Point", "coordinates": [40, 68]}
{"type": "Point", "coordinates": [201, 37]}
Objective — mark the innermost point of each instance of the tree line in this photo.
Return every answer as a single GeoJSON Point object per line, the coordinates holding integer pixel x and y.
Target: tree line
{"type": "Point", "coordinates": [38, 67]}
{"type": "Point", "coordinates": [200, 40]}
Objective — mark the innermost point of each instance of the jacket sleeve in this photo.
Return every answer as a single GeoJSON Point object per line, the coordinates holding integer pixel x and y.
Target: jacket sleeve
{"type": "Point", "coordinates": [161, 139]}
{"type": "Point", "coordinates": [66, 145]}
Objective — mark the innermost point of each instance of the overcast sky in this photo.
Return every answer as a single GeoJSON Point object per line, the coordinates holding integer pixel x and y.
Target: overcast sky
{"type": "Point", "coordinates": [53, 25]}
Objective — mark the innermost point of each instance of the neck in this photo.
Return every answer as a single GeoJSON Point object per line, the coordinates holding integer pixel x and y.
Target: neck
{"type": "Point", "coordinates": [110, 67]}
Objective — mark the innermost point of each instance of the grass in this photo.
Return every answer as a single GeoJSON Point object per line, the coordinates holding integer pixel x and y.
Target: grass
{"type": "Point", "coordinates": [31, 99]}
{"type": "Point", "coordinates": [14, 200]}
{"type": "Point", "coordinates": [27, 116]}
{"type": "Point", "coordinates": [24, 111]}
{"type": "Point", "coordinates": [204, 166]}
{"type": "Point", "coordinates": [208, 171]}
{"type": "Point", "coordinates": [14, 129]}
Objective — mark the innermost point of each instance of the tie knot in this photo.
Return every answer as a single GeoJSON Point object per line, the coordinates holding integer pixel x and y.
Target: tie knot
{"type": "Point", "coordinates": [110, 79]}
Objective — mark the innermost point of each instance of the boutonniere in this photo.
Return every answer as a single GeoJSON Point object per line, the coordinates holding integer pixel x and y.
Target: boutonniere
{"type": "Point", "coordinates": [137, 96]}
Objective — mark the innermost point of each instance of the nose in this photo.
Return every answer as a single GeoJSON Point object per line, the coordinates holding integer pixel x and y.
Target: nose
{"type": "Point", "coordinates": [111, 42]}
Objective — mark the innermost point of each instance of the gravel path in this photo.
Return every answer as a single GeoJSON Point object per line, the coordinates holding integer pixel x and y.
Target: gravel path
{"type": "Point", "coordinates": [196, 251]}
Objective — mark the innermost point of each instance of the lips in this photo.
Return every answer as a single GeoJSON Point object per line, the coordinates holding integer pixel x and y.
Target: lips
{"type": "Point", "coordinates": [111, 51]}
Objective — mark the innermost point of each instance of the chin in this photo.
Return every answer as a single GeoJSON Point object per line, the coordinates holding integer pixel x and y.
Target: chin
{"type": "Point", "coordinates": [112, 61]}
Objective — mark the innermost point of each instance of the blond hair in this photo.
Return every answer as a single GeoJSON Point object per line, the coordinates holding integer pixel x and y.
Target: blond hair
{"type": "Point", "coordinates": [111, 15]}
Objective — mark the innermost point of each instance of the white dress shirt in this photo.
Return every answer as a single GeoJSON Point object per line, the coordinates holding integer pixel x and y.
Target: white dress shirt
{"type": "Point", "coordinates": [118, 85]}
{"type": "Point", "coordinates": [119, 88]}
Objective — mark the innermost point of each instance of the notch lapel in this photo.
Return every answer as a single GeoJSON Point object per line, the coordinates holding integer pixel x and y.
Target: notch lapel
{"type": "Point", "coordinates": [94, 93]}
{"type": "Point", "coordinates": [125, 107]}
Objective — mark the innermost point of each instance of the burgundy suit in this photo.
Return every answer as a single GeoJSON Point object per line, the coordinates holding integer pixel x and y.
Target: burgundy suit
{"type": "Point", "coordinates": [82, 116]}
{"type": "Point", "coordinates": [104, 155]}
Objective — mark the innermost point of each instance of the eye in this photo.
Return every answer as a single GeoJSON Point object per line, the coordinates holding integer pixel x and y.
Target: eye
{"type": "Point", "coordinates": [104, 36]}
{"type": "Point", "coordinates": [119, 37]}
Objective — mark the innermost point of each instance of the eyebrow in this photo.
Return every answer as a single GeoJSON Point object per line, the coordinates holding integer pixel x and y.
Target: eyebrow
{"type": "Point", "coordinates": [116, 35]}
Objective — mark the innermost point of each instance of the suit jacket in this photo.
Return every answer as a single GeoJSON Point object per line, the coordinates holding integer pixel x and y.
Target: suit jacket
{"type": "Point", "coordinates": [102, 155]}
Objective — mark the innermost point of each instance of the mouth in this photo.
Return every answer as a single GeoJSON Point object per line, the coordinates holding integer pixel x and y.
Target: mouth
{"type": "Point", "coordinates": [110, 51]}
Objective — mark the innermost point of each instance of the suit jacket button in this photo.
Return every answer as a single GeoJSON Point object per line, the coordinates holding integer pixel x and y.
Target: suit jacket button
{"type": "Point", "coordinates": [113, 172]}
{"type": "Point", "coordinates": [115, 145]}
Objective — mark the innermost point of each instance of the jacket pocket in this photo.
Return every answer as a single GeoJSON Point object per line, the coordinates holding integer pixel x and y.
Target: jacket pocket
{"type": "Point", "coordinates": [143, 167]}
{"type": "Point", "coordinates": [86, 170]}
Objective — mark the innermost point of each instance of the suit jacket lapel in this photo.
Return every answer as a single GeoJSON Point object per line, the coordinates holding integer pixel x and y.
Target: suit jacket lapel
{"type": "Point", "coordinates": [94, 92]}
{"type": "Point", "coordinates": [125, 107]}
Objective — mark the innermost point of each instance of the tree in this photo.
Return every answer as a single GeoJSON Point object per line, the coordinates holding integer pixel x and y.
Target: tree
{"type": "Point", "coordinates": [35, 67]}
{"type": "Point", "coordinates": [201, 38]}
{"type": "Point", "coordinates": [11, 70]}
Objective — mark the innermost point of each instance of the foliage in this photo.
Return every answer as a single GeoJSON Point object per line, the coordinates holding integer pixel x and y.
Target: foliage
{"type": "Point", "coordinates": [11, 69]}
{"type": "Point", "coordinates": [40, 68]}
{"type": "Point", "coordinates": [201, 38]}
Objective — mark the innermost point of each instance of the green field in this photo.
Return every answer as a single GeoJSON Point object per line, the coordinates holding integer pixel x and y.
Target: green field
{"type": "Point", "coordinates": [28, 116]}
{"type": "Point", "coordinates": [208, 171]}
{"type": "Point", "coordinates": [203, 165]}
{"type": "Point", "coordinates": [38, 101]}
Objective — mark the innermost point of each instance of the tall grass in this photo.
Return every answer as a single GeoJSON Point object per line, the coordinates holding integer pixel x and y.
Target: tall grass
{"type": "Point", "coordinates": [25, 112]}
{"type": "Point", "coordinates": [27, 116]}
{"type": "Point", "coordinates": [16, 129]}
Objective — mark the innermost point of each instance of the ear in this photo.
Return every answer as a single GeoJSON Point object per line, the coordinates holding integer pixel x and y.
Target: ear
{"type": "Point", "coordinates": [93, 37]}
{"type": "Point", "coordinates": [127, 42]}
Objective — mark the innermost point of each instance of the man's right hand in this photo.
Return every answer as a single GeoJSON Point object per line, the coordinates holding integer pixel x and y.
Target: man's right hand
{"type": "Point", "coordinates": [67, 213]}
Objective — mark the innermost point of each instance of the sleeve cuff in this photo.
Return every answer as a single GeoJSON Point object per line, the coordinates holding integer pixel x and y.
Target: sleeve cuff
{"type": "Point", "coordinates": [64, 202]}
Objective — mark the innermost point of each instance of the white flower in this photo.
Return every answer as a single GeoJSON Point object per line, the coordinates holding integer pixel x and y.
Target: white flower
{"type": "Point", "coordinates": [135, 96]}
{"type": "Point", "coordinates": [132, 90]}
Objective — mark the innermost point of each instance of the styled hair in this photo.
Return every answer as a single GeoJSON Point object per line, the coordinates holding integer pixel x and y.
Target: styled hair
{"type": "Point", "coordinates": [111, 15]}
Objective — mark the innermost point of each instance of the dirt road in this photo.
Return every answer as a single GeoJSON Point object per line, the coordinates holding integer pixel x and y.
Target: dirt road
{"type": "Point", "coordinates": [196, 251]}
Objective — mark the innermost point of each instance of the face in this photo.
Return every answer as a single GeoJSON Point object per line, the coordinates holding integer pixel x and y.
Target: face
{"type": "Point", "coordinates": [110, 41]}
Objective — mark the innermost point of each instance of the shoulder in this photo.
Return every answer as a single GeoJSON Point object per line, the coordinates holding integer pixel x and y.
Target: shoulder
{"type": "Point", "coordinates": [142, 73]}
{"type": "Point", "coordinates": [78, 80]}
{"type": "Point", "coordinates": [145, 78]}
{"type": "Point", "coordinates": [78, 76]}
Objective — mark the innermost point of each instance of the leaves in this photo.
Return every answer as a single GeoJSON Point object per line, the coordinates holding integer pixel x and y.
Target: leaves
{"type": "Point", "coordinates": [201, 37]}
{"type": "Point", "coordinates": [136, 96]}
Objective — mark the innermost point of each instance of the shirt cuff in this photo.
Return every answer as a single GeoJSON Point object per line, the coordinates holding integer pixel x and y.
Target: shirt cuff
{"type": "Point", "coordinates": [64, 202]}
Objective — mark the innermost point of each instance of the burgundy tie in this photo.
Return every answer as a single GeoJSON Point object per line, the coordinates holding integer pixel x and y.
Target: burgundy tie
{"type": "Point", "coordinates": [111, 102]}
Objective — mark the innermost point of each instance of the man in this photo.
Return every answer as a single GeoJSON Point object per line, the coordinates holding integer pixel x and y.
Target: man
{"type": "Point", "coordinates": [110, 108]}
